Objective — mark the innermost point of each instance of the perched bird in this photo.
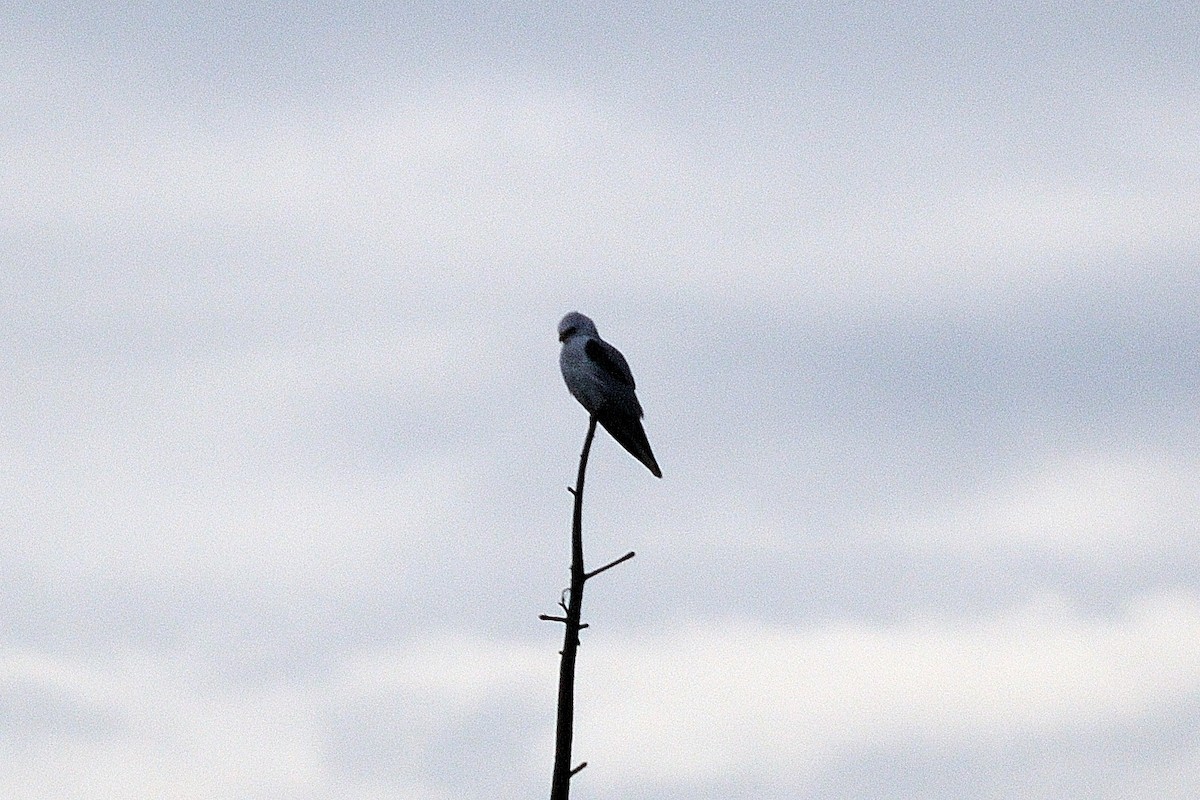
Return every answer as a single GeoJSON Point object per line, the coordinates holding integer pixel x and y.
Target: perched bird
{"type": "Point", "coordinates": [599, 377]}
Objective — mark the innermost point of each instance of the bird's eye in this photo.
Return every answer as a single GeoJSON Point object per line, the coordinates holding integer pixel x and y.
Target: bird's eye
{"type": "Point", "coordinates": [569, 331]}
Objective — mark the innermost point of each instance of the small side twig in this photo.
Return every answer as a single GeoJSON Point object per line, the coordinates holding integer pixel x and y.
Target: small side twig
{"type": "Point", "coordinates": [564, 620]}
{"type": "Point", "coordinates": [610, 565]}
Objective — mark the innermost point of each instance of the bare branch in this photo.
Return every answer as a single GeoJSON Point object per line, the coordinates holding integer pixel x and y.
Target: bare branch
{"type": "Point", "coordinates": [610, 565]}
{"type": "Point", "coordinates": [572, 603]}
{"type": "Point", "coordinates": [578, 769]}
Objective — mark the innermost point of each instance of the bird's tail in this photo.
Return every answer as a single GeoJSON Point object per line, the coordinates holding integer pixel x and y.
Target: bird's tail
{"type": "Point", "coordinates": [630, 434]}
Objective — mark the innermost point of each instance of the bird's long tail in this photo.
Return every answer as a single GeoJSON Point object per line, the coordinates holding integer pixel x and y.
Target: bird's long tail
{"type": "Point", "coordinates": [630, 434]}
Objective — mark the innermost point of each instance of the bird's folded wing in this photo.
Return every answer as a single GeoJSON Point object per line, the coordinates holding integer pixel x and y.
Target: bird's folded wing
{"type": "Point", "coordinates": [609, 359]}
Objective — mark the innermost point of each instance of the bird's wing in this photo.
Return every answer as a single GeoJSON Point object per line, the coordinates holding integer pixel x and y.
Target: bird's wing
{"type": "Point", "coordinates": [610, 361]}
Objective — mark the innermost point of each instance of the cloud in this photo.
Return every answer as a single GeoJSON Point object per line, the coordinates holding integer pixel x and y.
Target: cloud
{"type": "Point", "coordinates": [470, 189]}
{"type": "Point", "coordinates": [451, 672]}
{"type": "Point", "coordinates": [1170, 777]}
{"type": "Point", "coordinates": [202, 471]}
{"type": "Point", "coordinates": [175, 727]}
{"type": "Point", "coordinates": [686, 708]}
{"type": "Point", "coordinates": [908, 303]}
{"type": "Point", "coordinates": [1093, 506]}
{"type": "Point", "coordinates": [696, 705]}
{"type": "Point", "coordinates": [170, 734]}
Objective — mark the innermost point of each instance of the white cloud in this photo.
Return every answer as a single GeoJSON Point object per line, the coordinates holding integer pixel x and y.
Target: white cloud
{"type": "Point", "coordinates": [173, 729]}
{"type": "Point", "coordinates": [684, 708]}
{"type": "Point", "coordinates": [169, 735]}
{"type": "Point", "coordinates": [696, 705]}
{"type": "Point", "coordinates": [215, 273]}
{"type": "Point", "coordinates": [451, 672]}
{"type": "Point", "coordinates": [1095, 506]}
{"type": "Point", "coordinates": [1174, 776]}
{"type": "Point", "coordinates": [202, 472]}
{"type": "Point", "coordinates": [538, 187]}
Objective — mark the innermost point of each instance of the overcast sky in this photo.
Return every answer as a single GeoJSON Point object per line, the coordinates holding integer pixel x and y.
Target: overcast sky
{"type": "Point", "coordinates": [910, 295]}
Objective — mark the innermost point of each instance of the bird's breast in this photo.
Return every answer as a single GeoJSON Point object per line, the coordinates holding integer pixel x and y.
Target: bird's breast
{"type": "Point", "coordinates": [584, 380]}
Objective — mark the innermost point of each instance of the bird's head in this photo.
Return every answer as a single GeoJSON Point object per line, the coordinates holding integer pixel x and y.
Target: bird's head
{"type": "Point", "coordinates": [574, 324]}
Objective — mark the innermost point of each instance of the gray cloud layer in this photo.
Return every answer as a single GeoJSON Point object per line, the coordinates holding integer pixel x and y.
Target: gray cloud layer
{"type": "Point", "coordinates": [910, 297]}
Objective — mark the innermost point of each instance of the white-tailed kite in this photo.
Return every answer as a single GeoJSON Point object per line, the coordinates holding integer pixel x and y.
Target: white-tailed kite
{"type": "Point", "coordinates": [599, 377]}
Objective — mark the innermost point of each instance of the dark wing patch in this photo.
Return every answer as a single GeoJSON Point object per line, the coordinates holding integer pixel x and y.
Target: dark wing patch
{"type": "Point", "coordinates": [609, 359]}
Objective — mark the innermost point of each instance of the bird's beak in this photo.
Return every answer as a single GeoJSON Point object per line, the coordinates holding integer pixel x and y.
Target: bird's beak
{"type": "Point", "coordinates": [562, 337]}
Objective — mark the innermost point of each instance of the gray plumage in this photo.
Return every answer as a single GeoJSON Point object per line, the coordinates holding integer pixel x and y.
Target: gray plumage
{"type": "Point", "coordinates": [599, 377]}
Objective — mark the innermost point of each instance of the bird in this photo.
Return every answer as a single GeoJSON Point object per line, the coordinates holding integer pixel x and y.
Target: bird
{"type": "Point", "coordinates": [598, 376]}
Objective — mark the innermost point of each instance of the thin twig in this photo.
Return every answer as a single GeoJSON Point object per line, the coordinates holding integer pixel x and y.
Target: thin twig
{"type": "Point", "coordinates": [610, 565]}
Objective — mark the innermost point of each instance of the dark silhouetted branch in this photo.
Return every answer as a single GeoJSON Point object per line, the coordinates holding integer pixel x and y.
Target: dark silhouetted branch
{"type": "Point", "coordinates": [610, 565]}
{"type": "Point", "coordinates": [560, 784]}
{"type": "Point", "coordinates": [571, 602]}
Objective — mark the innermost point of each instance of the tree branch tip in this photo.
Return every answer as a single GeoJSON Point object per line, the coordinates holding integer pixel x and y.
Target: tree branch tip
{"type": "Point", "coordinates": [551, 618]}
{"type": "Point", "coordinates": [578, 769]}
{"type": "Point", "coordinates": [610, 565]}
